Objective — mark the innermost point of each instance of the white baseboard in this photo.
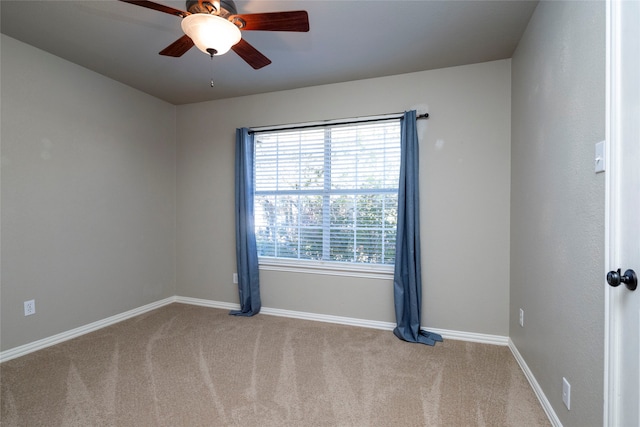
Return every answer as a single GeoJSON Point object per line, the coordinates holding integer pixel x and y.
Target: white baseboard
{"type": "Point", "coordinates": [328, 318]}
{"type": "Point", "coordinates": [208, 303]}
{"type": "Point", "coordinates": [73, 333]}
{"type": "Point", "coordinates": [364, 323]}
{"type": "Point", "coordinates": [470, 336]}
{"type": "Point", "coordinates": [546, 405]}
{"type": "Point", "coordinates": [351, 321]}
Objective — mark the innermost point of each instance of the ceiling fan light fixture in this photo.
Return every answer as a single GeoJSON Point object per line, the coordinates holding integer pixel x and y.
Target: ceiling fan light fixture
{"type": "Point", "coordinates": [211, 32]}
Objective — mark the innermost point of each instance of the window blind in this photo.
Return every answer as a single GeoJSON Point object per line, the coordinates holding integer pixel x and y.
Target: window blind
{"type": "Point", "coordinates": [328, 193]}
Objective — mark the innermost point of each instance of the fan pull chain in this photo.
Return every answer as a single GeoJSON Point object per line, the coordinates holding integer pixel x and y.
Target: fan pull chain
{"type": "Point", "coordinates": [211, 71]}
{"type": "Point", "coordinates": [212, 52]}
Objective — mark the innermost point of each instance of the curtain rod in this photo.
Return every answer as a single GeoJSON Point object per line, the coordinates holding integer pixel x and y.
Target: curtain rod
{"type": "Point", "coordinates": [294, 126]}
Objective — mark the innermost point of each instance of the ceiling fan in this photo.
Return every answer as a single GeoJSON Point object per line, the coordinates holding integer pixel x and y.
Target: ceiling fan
{"type": "Point", "coordinates": [214, 27]}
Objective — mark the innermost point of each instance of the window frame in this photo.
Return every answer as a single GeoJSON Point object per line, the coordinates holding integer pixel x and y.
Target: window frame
{"type": "Point", "coordinates": [330, 268]}
{"type": "Point", "coordinates": [327, 267]}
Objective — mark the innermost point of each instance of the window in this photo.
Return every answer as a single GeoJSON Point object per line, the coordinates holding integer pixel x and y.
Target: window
{"type": "Point", "coordinates": [328, 193]}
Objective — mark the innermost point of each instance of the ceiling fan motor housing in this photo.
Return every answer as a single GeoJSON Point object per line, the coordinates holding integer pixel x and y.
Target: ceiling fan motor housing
{"type": "Point", "coordinates": [227, 7]}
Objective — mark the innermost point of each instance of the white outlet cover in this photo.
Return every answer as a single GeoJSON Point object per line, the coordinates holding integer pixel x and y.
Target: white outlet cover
{"type": "Point", "coordinates": [29, 307]}
{"type": "Point", "coordinates": [566, 393]}
{"type": "Point", "coordinates": [522, 317]}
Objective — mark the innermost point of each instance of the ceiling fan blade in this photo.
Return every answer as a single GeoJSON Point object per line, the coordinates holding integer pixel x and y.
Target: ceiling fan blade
{"type": "Point", "coordinates": [297, 20]}
{"type": "Point", "coordinates": [250, 54]}
{"type": "Point", "coordinates": [158, 7]}
{"type": "Point", "coordinates": [178, 47]}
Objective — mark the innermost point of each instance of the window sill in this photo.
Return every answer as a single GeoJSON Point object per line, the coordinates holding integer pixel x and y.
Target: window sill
{"type": "Point", "coordinates": [367, 271]}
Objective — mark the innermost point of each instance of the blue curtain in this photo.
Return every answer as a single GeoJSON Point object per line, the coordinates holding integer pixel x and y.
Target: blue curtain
{"type": "Point", "coordinates": [407, 280]}
{"type": "Point", "coordinates": [246, 252]}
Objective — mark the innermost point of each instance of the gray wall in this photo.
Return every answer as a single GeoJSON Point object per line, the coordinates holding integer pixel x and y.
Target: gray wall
{"type": "Point", "coordinates": [557, 204]}
{"type": "Point", "coordinates": [465, 190]}
{"type": "Point", "coordinates": [88, 196]}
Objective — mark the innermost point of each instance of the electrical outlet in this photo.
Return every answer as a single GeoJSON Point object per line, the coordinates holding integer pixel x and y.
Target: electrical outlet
{"type": "Point", "coordinates": [522, 318]}
{"type": "Point", "coordinates": [29, 307]}
{"type": "Point", "coordinates": [566, 393]}
{"type": "Point", "coordinates": [235, 278]}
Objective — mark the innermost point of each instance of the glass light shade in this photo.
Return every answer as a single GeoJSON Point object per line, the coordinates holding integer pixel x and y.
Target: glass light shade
{"type": "Point", "coordinates": [211, 31]}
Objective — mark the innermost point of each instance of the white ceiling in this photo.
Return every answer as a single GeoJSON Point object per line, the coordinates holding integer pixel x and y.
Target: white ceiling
{"type": "Point", "coordinates": [348, 40]}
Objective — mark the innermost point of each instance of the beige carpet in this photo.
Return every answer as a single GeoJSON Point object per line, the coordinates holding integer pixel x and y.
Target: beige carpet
{"type": "Point", "coordinates": [184, 365]}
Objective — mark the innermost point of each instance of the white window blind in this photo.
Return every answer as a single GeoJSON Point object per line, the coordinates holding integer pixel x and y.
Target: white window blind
{"type": "Point", "coordinates": [328, 193]}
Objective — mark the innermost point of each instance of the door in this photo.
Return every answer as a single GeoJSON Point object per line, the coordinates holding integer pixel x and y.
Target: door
{"type": "Point", "coordinates": [622, 329]}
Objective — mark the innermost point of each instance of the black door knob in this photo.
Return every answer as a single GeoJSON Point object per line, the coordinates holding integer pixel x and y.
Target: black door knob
{"type": "Point", "coordinates": [629, 278]}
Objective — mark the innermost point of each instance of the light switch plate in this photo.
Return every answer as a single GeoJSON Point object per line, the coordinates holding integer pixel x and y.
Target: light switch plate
{"type": "Point", "coordinates": [599, 161]}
